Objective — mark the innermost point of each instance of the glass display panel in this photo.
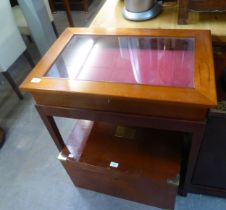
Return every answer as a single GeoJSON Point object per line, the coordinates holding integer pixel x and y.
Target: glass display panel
{"type": "Point", "coordinates": [159, 61]}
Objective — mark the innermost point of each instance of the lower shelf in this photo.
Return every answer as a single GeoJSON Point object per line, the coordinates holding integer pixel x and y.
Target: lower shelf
{"type": "Point", "coordinates": [139, 164]}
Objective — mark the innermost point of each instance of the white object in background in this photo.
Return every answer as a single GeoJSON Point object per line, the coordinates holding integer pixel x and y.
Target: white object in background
{"type": "Point", "coordinates": [11, 43]}
{"type": "Point", "coordinates": [40, 26]}
{"type": "Point", "coordinates": [21, 21]}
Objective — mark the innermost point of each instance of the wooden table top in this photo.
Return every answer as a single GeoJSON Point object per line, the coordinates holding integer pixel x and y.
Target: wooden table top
{"type": "Point", "coordinates": [199, 94]}
{"type": "Point", "coordinates": [110, 16]}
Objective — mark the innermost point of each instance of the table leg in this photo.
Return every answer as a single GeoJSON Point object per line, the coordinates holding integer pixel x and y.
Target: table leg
{"type": "Point", "coordinates": [68, 12]}
{"type": "Point", "coordinates": [52, 5]}
{"type": "Point", "coordinates": [29, 58]}
{"type": "Point", "coordinates": [13, 84]}
{"type": "Point", "coordinates": [52, 128]}
{"type": "Point", "coordinates": [182, 11]}
{"type": "Point", "coordinates": [2, 135]}
{"type": "Point", "coordinates": [85, 5]}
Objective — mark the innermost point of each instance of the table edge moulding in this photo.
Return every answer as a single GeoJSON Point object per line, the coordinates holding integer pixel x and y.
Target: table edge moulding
{"type": "Point", "coordinates": [173, 109]}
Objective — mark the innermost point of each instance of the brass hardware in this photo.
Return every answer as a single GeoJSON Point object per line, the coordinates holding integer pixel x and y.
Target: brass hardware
{"type": "Point", "coordinates": [174, 182]}
{"type": "Point", "coordinates": [125, 132]}
{"type": "Point", "coordinates": [61, 157]}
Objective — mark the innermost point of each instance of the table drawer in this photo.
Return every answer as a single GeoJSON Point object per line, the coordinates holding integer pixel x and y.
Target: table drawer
{"type": "Point", "coordinates": [137, 164]}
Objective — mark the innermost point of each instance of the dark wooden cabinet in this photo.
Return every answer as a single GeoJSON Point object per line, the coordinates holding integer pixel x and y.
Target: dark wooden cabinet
{"type": "Point", "coordinates": [210, 172]}
{"type": "Point", "coordinates": [199, 6]}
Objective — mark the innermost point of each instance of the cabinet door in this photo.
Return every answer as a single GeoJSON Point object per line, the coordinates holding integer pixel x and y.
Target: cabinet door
{"type": "Point", "coordinates": [211, 166]}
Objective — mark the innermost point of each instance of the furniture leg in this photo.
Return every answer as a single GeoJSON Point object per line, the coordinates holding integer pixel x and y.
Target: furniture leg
{"type": "Point", "coordinates": [13, 84]}
{"type": "Point", "coordinates": [68, 12]}
{"type": "Point", "coordinates": [55, 29]}
{"type": "Point", "coordinates": [52, 5]}
{"type": "Point", "coordinates": [52, 128]}
{"type": "Point", "coordinates": [2, 136]}
{"type": "Point", "coordinates": [29, 38]}
{"type": "Point", "coordinates": [85, 5]}
{"type": "Point", "coordinates": [182, 11]}
{"type": "Point", "coordinates": [29, 58]}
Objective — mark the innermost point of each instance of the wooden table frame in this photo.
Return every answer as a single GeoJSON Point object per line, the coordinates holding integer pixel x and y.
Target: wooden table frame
{"type": "Point", "coordinates": [196, 128]}
{"type": "Point", "coordinates": [201, 97]}
{"type": "Point", "coordinates": [74, 99]}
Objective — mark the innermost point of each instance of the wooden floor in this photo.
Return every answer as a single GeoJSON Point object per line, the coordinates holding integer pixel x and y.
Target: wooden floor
{"type": "Point", "coordinates": [110, 16]}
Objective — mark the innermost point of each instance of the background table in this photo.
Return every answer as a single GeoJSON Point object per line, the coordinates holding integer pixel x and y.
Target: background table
{"type": "Point", "coordinates": [166, 20]}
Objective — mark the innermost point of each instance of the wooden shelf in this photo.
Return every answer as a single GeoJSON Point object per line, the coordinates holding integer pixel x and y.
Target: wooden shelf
{"type": "Point", "coordinates": [153, 153]}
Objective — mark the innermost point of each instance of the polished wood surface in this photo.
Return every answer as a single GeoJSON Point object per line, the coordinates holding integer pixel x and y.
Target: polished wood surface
{"type": "Point", "coordinates": [149, 158]}
{"type": "Point", "coordinates": [146, 152]}
{"type": "Point", "coordinates": [166, 20]}
{"type": "Point", "coordinates": [202, 97]}
{"type": "Point", "coordinates": [199, 6]}
{"type": "Point", "coordinates": [118, 105]}
{"type": "Point", "coordinates": [136, 105]}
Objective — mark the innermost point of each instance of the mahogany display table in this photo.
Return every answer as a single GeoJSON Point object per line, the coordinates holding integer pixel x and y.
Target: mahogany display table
{"type": "Point", "coordinates": [136, 93]}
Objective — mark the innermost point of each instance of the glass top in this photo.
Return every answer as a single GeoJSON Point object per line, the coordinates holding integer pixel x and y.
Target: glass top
{"type": "Point", "coordinates": [159, 61]}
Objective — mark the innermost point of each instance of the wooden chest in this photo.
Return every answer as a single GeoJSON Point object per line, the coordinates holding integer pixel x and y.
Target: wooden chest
{"type": "Point", "coordinates": [142, 165]}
